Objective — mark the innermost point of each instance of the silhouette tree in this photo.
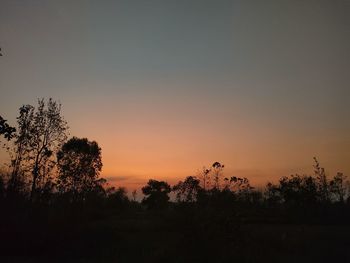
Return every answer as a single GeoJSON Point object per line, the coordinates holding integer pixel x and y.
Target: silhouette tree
{"type": "Point", "coordinates": [157, 194]}
{"type": "Point", "coordinates": [217, 169]}
{"type": "Point", "coordinates": [272, 194]}
{"type": "Point", "coordinates": [322, 183]}
{"type": "Point", "coordinates": [338, 187]}
{"type": "Point", "coordinates": [79, 166]}
{"type": "Point", "coordinates": [187, 190]}
{"type": "Point", "coordinates": [237, 184]}
{"type": "Point", "coordinates": [2, 184]}
{"type": "Point", "coordinates": [41, 132]}
{"type": "Point", "coordinates": [6, 130]}
{"type": "Point", "coordinates": [21, 145]}
{"type": "Point", "coordinates": [298, 190]}
{"type": "Point", "coordinates": [205, 178]}
{"type": "Point", "coordinates": [117, 197]}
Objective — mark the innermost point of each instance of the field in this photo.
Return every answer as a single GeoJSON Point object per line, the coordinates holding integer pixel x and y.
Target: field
{"type": "Point", "coordinates": [166, 237]}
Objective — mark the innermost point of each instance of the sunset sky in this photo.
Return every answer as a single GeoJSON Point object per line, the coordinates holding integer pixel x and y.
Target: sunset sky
{"type": "Point", "coordinates": [167, 87]}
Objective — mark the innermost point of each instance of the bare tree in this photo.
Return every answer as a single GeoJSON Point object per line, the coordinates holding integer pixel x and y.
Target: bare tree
{"type": "Point", "coordinates": [322, 183]}
{"type": "Point", "coordinates": [217, 170]}
{"type": "Point", "coordinates": [41, 132]}
{"type": "Point", "coordinates": [17, 179]}
{"type": "Point", "coordinates": [204, 175]}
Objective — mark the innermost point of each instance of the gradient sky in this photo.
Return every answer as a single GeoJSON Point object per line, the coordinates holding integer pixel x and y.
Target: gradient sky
{"type": "Point", "coordinates": [166, 87]}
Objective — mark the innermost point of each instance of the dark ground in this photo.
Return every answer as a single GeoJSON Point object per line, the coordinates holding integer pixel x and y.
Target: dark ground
{"type": "Point", "coordinates": [142, 236]}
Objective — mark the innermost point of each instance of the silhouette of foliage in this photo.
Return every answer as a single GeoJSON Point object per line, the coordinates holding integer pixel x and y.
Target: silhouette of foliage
{"type": "Point", "coordinates": [157, 194]}
{"type": "Point", "coordinates": [6, 130]}
{"type": "Point", "coordinates": [322, 184]}
{"type": "Point", "coordinates": [20, 169]}
{"type": "Point", "coordinates": [41, 132]}
{"type": "Point", "coordinates": [117, 197]}
{"type": "Point", "coordinates": [338, 187]}
{"type": "Point", "coordinates": [205, 178]}
{"type": "Point", "coordinates": [187, 190]}
{"type": "Point", "coordinates": [298, 190]}
{"type": "Point", "coordinates": [76, 216]}
{"type": "Point", "coordinates": [217, 170]}
{"type": "Point", "coordinates": [237, 184]}
{"type": "Point", "coordinates": [79, 165]}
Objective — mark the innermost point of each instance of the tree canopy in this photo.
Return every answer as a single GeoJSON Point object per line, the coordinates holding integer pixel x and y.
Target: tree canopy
{"type": "Point", "coordinates": [157, 194]}
{"type": "Point", "coordinates": [79, 165]}
{"type": "Point", "coordinates": [6, 130]}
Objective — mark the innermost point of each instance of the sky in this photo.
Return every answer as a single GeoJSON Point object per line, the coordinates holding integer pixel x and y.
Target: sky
{"type": "Point", "coordinates": [167, 87]}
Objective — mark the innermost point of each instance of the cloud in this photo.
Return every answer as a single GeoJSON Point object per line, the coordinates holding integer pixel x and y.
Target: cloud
{"type": "Point", "coordinates": [117, 178]}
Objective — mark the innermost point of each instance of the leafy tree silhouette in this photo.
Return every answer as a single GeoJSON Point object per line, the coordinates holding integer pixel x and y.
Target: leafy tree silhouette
{"type": "Point", "coordinates": [298, 190]}
{"type": "Point", "coordinates": [337, 187]}
{"type": "Point", "coordinates": [157, 194]}
{"type": "Point", "coordinates": [6, 130]}
{"type": "Point", "coordinates": [79, 167]}
{"type": "Point", "coordinates": [117, 197]}
{"type": "Point", "coordinates": [237, 184]}
{"type": "Point", "coordinates": [187, 190]}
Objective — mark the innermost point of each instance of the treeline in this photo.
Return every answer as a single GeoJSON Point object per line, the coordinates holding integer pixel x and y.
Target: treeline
{"type": "Point", "coordinates": [296, 198]}
{"type": "Point", "coordinates": [55, 207]}
{"type": "Point", "coordinates": [43, 162]}
{"type": "Point", "coordinates": [49, 169]}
